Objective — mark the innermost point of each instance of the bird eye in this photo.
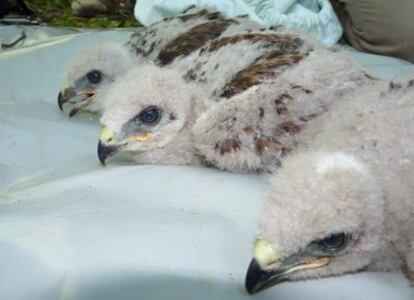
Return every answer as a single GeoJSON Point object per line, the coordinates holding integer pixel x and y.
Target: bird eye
{"type": "Point", "coordinates": [334, 242]}
{"type": "Point", "coordinates": [94, 76]}
{"type": "Point", "coordinates": [150, 115]}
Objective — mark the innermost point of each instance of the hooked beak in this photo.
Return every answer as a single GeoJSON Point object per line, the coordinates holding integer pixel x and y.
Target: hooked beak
{"type": "Point", "coordinates": [64, 95]}
{"type": "Point", "coordinates": [265, 269]}
{"type": "Point", "coordinates": [108, 144]}
{"type": "Point", "coordinates": [61, 100]}
{"type": "Point", "coordinates": [105, 151]}
{"type": "Point", "coordinates": [68, 93]}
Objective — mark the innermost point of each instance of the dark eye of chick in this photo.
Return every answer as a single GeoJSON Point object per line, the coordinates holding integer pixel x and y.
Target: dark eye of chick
{"type": "Point", "coordinates": [150, 116]}
{"type": "Point", "coordinates": [333, 243]}
{"type": "Point", "coordinates": [94, 76]}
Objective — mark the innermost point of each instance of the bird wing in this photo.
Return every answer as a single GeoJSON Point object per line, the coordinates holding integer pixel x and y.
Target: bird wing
{"type": "Point", "coordinates": [232, 64]}
{"type": "Point", "coordinates": [254, 130]}
{"type": "Point", "coordinates": [192, 40]}
{"type": "Point", "coordinates": [149, 41]}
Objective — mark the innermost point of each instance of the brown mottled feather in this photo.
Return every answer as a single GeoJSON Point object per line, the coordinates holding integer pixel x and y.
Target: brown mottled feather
{"type": "Point", "coordinates": [261, 112]}
{"type": "Point", "coordinates": [269, 65]}
{"type": "Point", "coordinates": [369, 76]}
{"type": "Point", "coordinates": [296, 86]}
{"type": "Point", "coordinates": [139, 39]}
{"type": "Point", "coordinates": [280, 103]}
{"type": "Point", "coordinates": [249, 130]}
{"type": "Point", "coordinates": [266, 143]}
{"type": "Point", "coordinates": [394, 85]}
{"type": "Point", "coordinates": [192, 40]}
{"type": "Point", "coordinates": [228, 146]}
{"type": "Point", "coordinates": [310, 116]}
{"type": "Point", "coordinates": [283, 42]}
{"type": "Point", "coordinates": [289, 127]}
{"type": "Point", "coordinates": [204, 13]}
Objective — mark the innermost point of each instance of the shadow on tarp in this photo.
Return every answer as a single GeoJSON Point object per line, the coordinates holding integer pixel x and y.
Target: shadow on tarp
{"type": "Point", "coordinates": [162, 286]}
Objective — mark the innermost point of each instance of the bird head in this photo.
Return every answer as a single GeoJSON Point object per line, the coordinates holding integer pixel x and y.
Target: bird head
{"type": "Point", "coordinates": [324, 217]}
{"type": "Point", "coordinates": [93, 71]}
{"type": "Point", "coordinates": [146, 110]}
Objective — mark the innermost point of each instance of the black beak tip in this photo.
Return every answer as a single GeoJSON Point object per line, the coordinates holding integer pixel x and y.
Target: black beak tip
{"type": "Point", "coordinates": [253, 277]}
{"type": "Point", "coordinates": [102, 153]}
{"type": "Point", "coordinates": [105, 151]}
{"type": "Point", "coordinates": [73, 112]}
{"type": "Point", "coordinates": [60, 101]}
{"type": "Point", "coordinates": [258, 279]}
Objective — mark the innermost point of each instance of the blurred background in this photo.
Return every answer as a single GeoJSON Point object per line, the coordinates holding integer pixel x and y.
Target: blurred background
{"type": "Point", "coordinates": [69, 13]}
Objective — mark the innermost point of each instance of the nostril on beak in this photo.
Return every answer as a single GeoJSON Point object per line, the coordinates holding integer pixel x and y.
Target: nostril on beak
{"type": "Point", "coordinates": [107, 136]}
{"type": "Point", "coordinates": [60, 101]}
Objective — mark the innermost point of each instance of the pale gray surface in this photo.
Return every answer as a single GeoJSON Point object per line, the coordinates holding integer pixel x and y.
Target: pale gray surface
{"type": "Point", "coordinates": [70, 229]}
{"type": "Point", "coordinates": [382, 66]}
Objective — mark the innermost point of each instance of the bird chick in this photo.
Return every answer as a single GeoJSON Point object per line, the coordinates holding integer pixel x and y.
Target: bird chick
{"type": "Point", "coordinates": [90, 75]}
{"type": "Point", "coordinates": [342, 202]}
{"type": "Point", "coordinates": [153, 119]}
{"type": "Point", "coordinates": [249, 132]}
{"type": "Point", "coordinates": [254, 129]}
{"type": "Point", "coordinates": [227, 55]}
{"type": "Point", "coordinates": [174, 38]}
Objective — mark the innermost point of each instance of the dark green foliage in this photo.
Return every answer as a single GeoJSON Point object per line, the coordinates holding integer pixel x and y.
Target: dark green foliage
{"type": "Point", "coordinates": [58, 13]}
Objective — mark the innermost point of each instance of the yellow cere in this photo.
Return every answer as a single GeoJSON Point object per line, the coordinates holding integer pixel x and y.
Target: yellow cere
{"type": "Point", "coordinates": [106, 135]}
{"type": "Point", "coordinates": [65, 86]}
{"type": "Point", "coordinates": [265, 254]}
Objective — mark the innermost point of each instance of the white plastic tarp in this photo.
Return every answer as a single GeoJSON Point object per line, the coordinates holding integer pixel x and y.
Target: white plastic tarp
{"type": "Point", "coordinates": [72, 229]}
